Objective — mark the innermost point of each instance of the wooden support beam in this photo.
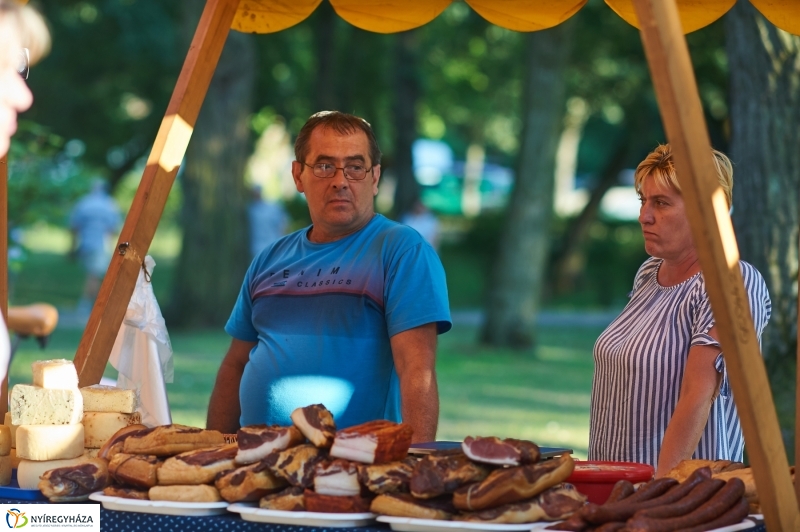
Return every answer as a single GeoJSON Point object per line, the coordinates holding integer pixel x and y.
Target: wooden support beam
{"type": "Point", "coordinates": [682, 114]}
{"type": "Point", "coordinates": [4, 265]}
{"type": "Point", "coordinates": [148, 204]}
{"type": "Point", "coordinates": [797, 397]}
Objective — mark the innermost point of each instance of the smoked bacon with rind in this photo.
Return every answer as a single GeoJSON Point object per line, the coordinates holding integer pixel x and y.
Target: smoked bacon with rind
{"type": "Point", "coordinates": [374, 442]}
{"type": "Point", "coordinates": [504, 486]}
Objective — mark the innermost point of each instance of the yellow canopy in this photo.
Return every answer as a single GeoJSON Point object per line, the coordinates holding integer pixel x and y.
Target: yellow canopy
{"type": "Point", "coordinates": [391, 16]}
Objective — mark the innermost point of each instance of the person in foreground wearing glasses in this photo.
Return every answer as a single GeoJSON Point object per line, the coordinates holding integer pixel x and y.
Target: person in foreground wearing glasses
{"type": "Point", "coordinates": [23, 38]}
{"type": "Point", "coordinates": [660, 392]}
{"type": "Point", "coordinates": [345, 312]}
{"type": "Point", "coordinates": [20, 26]}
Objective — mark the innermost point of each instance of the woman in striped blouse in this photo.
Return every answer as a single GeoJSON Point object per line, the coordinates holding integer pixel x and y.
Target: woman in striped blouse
{"type": "Point", "coordinates": [660, 392]}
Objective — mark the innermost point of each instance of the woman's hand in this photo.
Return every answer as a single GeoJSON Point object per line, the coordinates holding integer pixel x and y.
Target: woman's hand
{"type": "Point", "coordinates": [699, 389]}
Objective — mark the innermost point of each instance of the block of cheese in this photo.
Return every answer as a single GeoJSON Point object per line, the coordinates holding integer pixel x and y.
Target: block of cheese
{"type": "Point", "coordinates": [13, 428]}
{"type": "Point", "coordinates": [5, 441]}
{"type": "Point", "coordinates": [49, 442]}
{"type": "Point", "coordinates": [5, 470]}
{"type": "Point", "coordinates": [33, 405]}
{"type": "Point", "coordinates": [98, 427]}
{"type": "Point", "coordinates": [100, 398]}
{"type": "Point", "coordinates": [14, 458]}
{"type": "Point", "coordinates": [55, 374]}
{"type": "Point", "coordinates": [28, 471]}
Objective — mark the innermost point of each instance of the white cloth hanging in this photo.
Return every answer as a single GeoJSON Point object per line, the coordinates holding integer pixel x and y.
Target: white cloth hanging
{"type": "Point", "coordinates": [142, 353]}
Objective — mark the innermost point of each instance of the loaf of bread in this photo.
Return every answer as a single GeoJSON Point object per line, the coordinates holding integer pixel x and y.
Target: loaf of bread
{"type": "Point", "coordinates": [116, 442]}
{"type": "Point", "coordinates": [126, 493]}
{"type": "Point", "coordinates": [136, 470]}
{"type": "Point", "coordinates": [197, 467]}
{"type": "Point", "coordinates": [196, 493]}
{"type": "Point", "coordinates": [404, 505]}
{"type": "Point", "coordinates": [168, 440]}
{"type": "Point", "coordinates": [74, 483]}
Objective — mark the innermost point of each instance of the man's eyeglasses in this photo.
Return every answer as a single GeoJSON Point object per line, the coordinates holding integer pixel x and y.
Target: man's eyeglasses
{"type": "Point", "coordinates": [23, 62]}
{"type": "Point", "coordinates": [352, 172]}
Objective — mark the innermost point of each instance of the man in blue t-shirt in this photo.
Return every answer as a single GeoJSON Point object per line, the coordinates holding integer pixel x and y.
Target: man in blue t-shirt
{"type": "Point", "coordinates": [345, 312]}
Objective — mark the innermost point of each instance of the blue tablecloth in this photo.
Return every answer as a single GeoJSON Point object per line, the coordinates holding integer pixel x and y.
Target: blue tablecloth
{"type": "Point", "coordinates": [113, 521]}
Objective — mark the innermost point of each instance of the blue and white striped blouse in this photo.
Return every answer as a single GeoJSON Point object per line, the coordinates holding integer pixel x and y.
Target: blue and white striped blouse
{"type": "Point", "coordinates": [639, 363]}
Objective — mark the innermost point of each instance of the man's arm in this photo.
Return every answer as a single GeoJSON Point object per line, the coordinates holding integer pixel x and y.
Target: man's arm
{"type": "Point", "coordinates": [414, 353]}
{"type": "Point", "coordinates": [223, 408]}
{"type": "Point", "coordinates": [699, 388]}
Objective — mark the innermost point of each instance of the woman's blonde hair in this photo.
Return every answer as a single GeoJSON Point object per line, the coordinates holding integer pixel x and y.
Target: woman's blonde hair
{"type": "Point", "coordinates": [31, 26]}
{"type": "Point", "coordinates": [659, 164]}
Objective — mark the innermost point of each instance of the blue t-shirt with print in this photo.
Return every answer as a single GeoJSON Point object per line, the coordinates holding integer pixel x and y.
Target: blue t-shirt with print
{"type": "Point", "coordinates": [322, 316]}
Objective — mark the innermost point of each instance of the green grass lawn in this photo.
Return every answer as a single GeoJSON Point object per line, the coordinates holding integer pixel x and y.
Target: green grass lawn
{"type": "Point", "coordinates": [543, 395]}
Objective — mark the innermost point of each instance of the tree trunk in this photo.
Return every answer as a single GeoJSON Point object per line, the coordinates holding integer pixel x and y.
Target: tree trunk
{"type": "Point", "coordinates": [568, 262]}
{"type": "Point", "coordinates": [214, 254]}
{"type": "Point", "coordinates": [326, 97]}
{"type": "Point", "coordinates": [518, 273]}
{"type": "Point", "coordinates": [405, 120]}
{"type": "Point", "coordinates": [765, 148]}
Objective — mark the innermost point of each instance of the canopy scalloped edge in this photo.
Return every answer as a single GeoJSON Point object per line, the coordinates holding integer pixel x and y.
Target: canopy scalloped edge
{"type": "Point", "coordinates": [270, 16]}
{"type": "Point", "coordinates": [785, 14]}
{"type": "Point", "coordinates": [526, 15]}
{"type": "Point", "coordinates": [391, 16]}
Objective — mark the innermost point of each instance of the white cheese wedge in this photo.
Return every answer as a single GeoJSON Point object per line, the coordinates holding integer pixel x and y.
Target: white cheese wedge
{"type": "Point", "coordinates": [5, 441]}
{"type": "Point", "coordinates": [5, 470]}
{"type": "Point", "coordinates": [28, 471]}
{"type": "Point", "coordinates": [14, 458]}
{"type": "Point", "coordinates": [13, 428]}
{"type": "Point", "coordinates": [98, 427]}
{"type": "Point", "coordinates": [55, 374]}
{"type": "Point", "coordinates": [100, 398]}
{"type": "Point", "coordinates": [49, 442]}
{"type": "Point", "coordinates": [33, 405]}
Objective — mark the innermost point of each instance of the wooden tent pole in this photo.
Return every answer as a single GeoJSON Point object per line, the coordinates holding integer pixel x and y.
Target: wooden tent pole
{"type": "Point", "coordinates": [797, 395]}
{"type": "Point", "coordinates": [148, 204]}
{"type": "Point", "coordinates": [4, 264]}
{"type": "Point", "coordinates": [682, 114]}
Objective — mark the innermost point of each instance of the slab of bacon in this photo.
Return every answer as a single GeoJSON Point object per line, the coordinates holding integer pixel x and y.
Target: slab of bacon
{"type": "Point", "coordinates": [296, 464]}
{"type": "Point", "coordinates": [508, 452]}
{"type": "Point", "coordinates": [316, 424]}
{"type": "Point", "coordinates": [257, 441]}
{"type": "Point", "coordinates": [375, 442]}
{"type": "Point", "coordinates": [337, 477]}
{"type": "Point", "coordinates": [443, 472]}
{"type": "Point", "coordinates": [387, 478]}
{"type": "Point", "coordinates": [558, 502]}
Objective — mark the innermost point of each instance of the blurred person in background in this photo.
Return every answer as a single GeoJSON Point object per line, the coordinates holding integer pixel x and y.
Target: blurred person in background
{"type": "Point", "coordinates": [660, 392]}
{"type": "Point", "coordinates": [94, 219]}
{"type": "Point", "coordinates": [24, 39]}
{"type": "Point", "coordinates": [424, 222]}
{"type": "Point", "coordinates": [267, 219]}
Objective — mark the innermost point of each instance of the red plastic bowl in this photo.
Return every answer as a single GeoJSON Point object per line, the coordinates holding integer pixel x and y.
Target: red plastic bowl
{"type": "Point", "coordinates": [596, 479]}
